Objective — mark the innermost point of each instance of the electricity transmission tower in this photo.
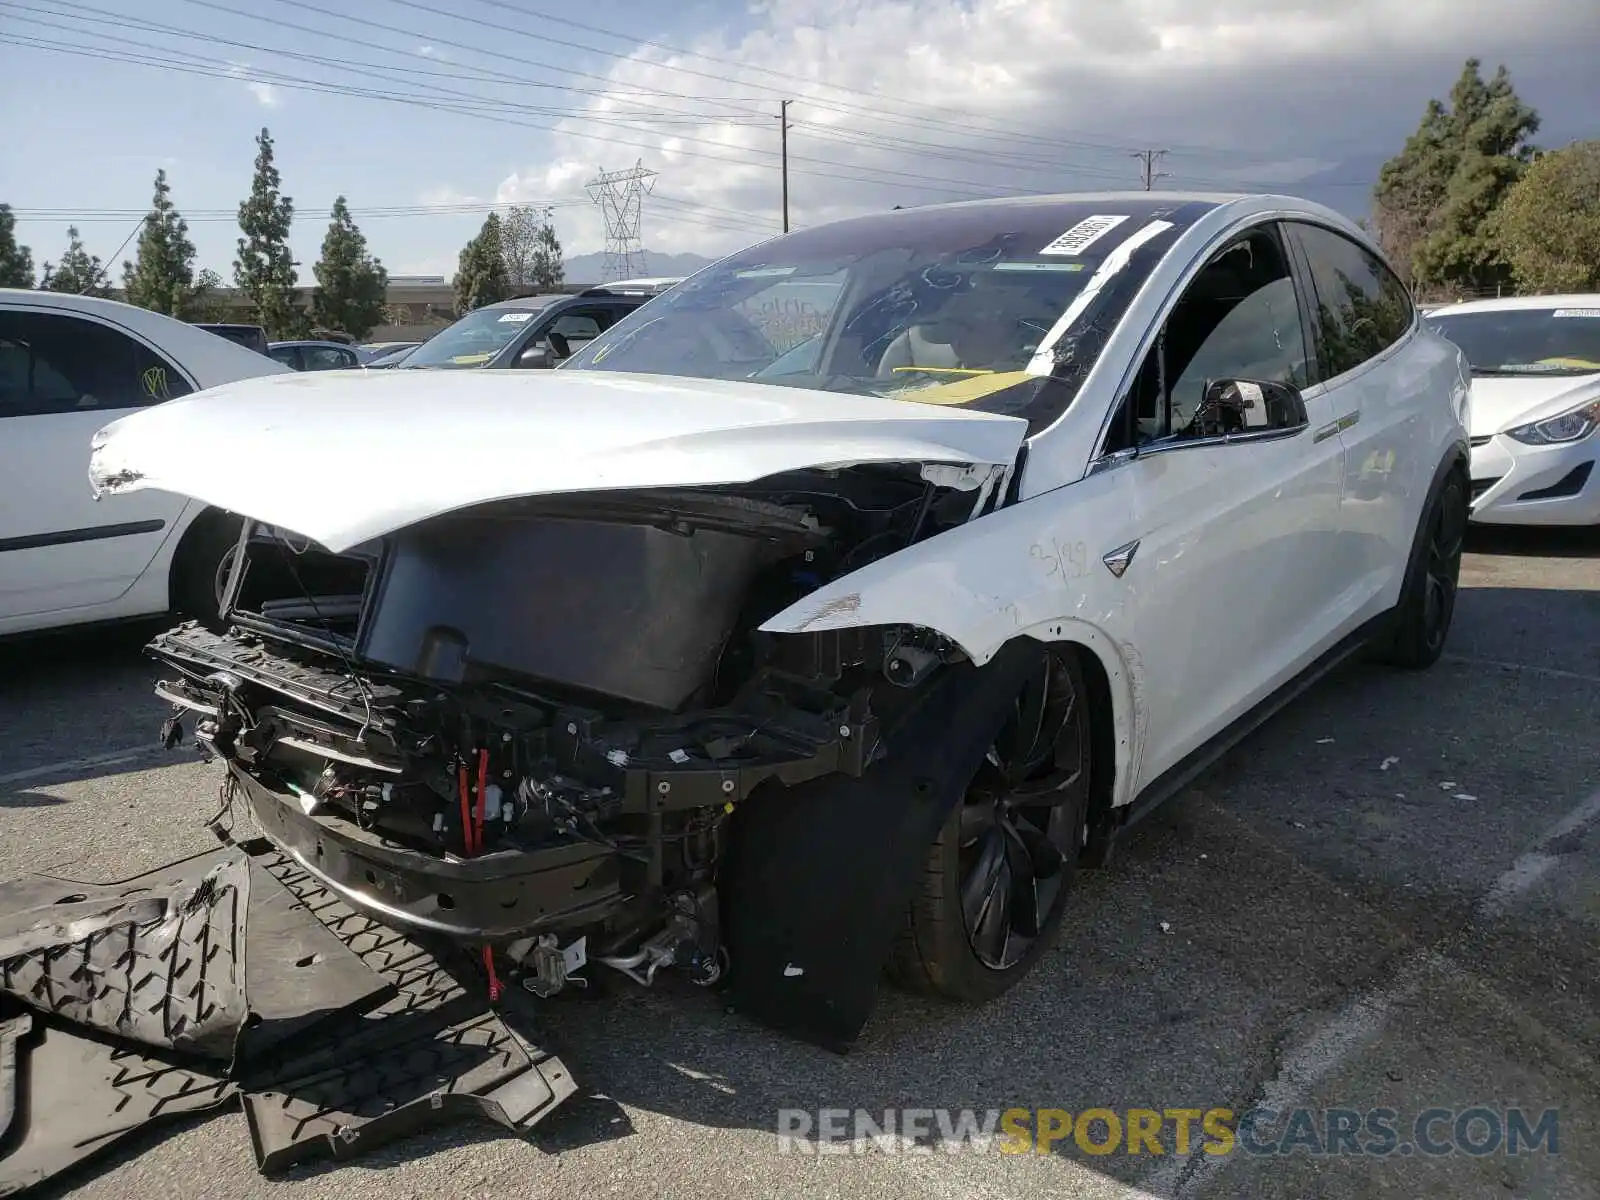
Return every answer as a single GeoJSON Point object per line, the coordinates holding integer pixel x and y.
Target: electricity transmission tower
{"type": "Point", "coordinates": [620, 195]}
{"type": "Point", "coordinates": [1148, 160]}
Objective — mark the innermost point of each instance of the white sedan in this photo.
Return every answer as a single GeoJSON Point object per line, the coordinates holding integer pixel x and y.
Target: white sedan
{"type": "Point", "coordinates": [1535, 406]}
{"type": "Point", "coordinates": [67, 365]}
{"type": "Point", "coordinates": [856, 589]}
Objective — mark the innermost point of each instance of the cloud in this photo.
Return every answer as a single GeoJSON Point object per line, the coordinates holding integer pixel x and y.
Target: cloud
{"type": "Point", "coordinates": [426, 52]}
{"type": "Point", "coordinates": [918, 101]}
{"type": "Point", "coordinates": [445, 196]}
{"type": "Point", "coordinates": [266, 95]}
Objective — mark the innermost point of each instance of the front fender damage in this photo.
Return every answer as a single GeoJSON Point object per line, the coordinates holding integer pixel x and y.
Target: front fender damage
{"type": "Point", "coordinates": [819, 876]}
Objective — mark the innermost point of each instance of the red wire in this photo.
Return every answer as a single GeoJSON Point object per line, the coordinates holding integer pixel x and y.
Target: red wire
{"type": "Point", "coordinates": [495, 988]}
{"type": "Point", "coordinates": [466, 811]}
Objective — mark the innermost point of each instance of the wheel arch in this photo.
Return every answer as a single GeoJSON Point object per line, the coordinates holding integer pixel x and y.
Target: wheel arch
{"type": "Point", "coordinates": [208, 521]}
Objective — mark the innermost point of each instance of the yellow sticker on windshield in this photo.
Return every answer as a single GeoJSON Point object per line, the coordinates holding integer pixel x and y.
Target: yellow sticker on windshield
{"type": "Point", "coordinates": [1580, 364]}
{"type": "Point", "coordinates": [466, 360]}
{"type": "Point", "coordinates": [965, 391]}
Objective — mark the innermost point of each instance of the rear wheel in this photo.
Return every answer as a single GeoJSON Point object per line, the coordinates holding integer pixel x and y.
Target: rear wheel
{"type": "Point", "coordinates": [997, 878]}
{"type": "Point", "coordinates": [1428, 601]}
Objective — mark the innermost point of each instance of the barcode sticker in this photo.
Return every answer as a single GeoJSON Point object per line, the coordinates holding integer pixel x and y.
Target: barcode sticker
{"type": "Point", "coordinates": [1084, 234]}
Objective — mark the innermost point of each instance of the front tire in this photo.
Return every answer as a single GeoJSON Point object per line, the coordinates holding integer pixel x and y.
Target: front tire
{"type": "Point", "coordinates": [997, 878]}
{"type": "Point", "coordinates": [201, 566]}
{"type": "Point", "coordinates": [1428, 601]}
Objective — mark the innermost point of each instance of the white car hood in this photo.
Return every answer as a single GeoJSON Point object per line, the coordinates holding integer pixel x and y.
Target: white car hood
{"type": "Point", "coordinates": [346, 456]}
{"type": "Point", "coordinates": [1504, 402]}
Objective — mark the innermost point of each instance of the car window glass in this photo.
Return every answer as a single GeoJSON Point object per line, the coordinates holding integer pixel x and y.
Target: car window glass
{"type": "Point", "coordinates": [326, 358]}
{"type": "Point", "coordinates": [789, 313]}
{"type": "Point", "coordinates": [1361, 307]}
{"type": "Point", "coordinates": [289, 356]}
{"type": "Point", "coordinates": [1238, 319]}
{"type": "Point", "coordinates": [581, 326]}
{"type": "Point", "coordinates": [53, 363]}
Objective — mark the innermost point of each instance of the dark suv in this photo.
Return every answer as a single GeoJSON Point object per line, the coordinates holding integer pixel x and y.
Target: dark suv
{"type": "Point", "coordinates": [533, 331]}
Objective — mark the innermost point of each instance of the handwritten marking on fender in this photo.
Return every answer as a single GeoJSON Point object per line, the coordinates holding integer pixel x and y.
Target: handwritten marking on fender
{"type": "Point", "coordinates": [1068, 560]}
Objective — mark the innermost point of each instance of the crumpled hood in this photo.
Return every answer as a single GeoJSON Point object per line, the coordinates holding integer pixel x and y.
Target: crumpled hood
{"type": "Point", "coordinates": [346, 456]}
{"type": "Point", "coordinates": [1504, 401]}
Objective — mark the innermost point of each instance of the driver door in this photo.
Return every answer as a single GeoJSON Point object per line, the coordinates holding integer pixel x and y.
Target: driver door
{"type": "Point", "coordinates": [1231, 583]}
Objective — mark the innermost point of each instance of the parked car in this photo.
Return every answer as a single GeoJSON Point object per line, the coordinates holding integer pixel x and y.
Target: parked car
{"type": "Point", "coordinates": [68, 364]}
{"type": "Point", "coordinates": [252, 337]}
{"type": "Point", "coordinates": [310, 355]}
{"type": "Point", "coordinates": [783, 669]}
{"type": "Point", "coordinates": [1535, 406]}
{"type": "Point", "coordinates": [532, 331]}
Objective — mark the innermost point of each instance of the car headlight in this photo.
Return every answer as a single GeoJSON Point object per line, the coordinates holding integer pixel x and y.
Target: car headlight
{"type": "Point", "coordinates": [1567, 427]}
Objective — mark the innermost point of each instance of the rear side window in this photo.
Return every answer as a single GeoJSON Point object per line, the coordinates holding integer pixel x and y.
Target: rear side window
{"type": "Point", "coordinates": [55, 363]}
{"type": "Point", "coordinates": [1362, 307]}
{"type": "Point", "coordinates": [326, 358]}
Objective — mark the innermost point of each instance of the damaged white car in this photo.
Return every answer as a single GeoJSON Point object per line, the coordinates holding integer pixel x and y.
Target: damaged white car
{"type": "Point", "coordinates": [821, 617]}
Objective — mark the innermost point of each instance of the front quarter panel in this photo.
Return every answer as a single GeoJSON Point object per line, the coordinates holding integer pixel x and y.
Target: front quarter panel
{"type": "Point", "coordinates": [1029, 570]}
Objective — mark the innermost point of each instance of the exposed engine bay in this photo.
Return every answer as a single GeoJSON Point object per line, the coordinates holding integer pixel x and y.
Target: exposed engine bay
{"type": "Point", "coordinates": [530, 725]}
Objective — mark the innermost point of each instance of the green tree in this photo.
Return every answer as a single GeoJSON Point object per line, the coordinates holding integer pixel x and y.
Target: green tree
{"type": "Point", "coordinates": [1434, 200]}
{"type": "Point", "coordinates": [78, 271]}
{"type": "Point", "coordinates": [531, 249]}
{"type": "Point", "coordinates": [264, 268]}
{"type": "Point", "coordinates": [1548, 226]}
{"type": "Point", "coordinates": [16, 262]}
{"type": "Point", "coordinates": [351, 283]}
{"type": "Point", "coordinates": [162, 275]}
{"type": "Point", "coordinates": [481, 270]}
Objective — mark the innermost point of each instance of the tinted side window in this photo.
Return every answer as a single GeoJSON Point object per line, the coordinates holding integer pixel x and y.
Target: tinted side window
{"type": "Point", "coordinates": [289, 356]}
{"type": "Point", "coordinates": [55, 363]}
{"type": "Point", "coordinates": [326, 358]}
{"type": "Point", "coordinates": [1361, 307]}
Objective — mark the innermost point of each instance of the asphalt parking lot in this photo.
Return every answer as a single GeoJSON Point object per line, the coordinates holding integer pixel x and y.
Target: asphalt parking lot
{"type": "Point", "coordinates": [1389, 897]}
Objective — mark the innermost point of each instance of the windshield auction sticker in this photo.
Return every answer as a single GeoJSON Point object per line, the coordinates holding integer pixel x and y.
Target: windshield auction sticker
{"type": "Point", "coordinates": [1578, 312]}
{"type": "Point", "coordinates": [1084, 234]}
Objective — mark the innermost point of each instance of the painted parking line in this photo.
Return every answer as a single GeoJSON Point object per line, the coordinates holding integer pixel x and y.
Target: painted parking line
{"type": "Point", "coordinates": [1362, 1020]}
{"type": "Point", "coordinates": [70, 766]}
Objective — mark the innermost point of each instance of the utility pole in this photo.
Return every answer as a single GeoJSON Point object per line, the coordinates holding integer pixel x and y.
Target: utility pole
{"type": "Point", "coordinates": [783, 142]}
{"type": "Point", "coordinates": [1148, 160]}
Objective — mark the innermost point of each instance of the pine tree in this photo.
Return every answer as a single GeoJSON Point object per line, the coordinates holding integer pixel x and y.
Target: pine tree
{"type": "Point", "coordinates": [352, 284]}
{"type": "Point", "coordinates": [549, 269]}
{"type": "Point", "coordinates": [1434, 199]}
{"type": "Point", "coordinates": [481, 270]}
{"type": "Point", "coordinates": [264, 269]}
{"type": "Point", "coordinates": [162, 276]}
{"type": "Point", "coordinates": [78, 271]}
{"type": "Point", "coordinates": [16, 262]}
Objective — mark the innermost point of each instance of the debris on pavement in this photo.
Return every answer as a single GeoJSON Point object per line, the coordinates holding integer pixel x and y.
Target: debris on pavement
{"type": "Point", "coordinates": [234, 975]}
{"type": "Point", "coordinates": [1387, 763]}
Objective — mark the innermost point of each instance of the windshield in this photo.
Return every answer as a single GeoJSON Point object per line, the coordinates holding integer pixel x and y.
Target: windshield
{"type": "Point", "coordinates": [949, 305]}
{"type": "Point", "coordinates": [474, 339]}
{"type": "Point", "coordinates": [1526, 341]}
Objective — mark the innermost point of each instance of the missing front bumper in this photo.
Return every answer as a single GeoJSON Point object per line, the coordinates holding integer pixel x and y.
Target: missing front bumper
{"type": "Point", "coordinates": [501, 896]}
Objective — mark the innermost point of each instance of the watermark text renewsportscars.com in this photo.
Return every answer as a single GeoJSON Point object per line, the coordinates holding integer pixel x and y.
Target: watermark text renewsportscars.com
{"type": "Point", "coordinates": [1477, 1130]}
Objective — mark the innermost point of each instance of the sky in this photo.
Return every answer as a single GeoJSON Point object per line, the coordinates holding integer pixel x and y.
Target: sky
{"type": "Point", "coordinates": [424, 118]}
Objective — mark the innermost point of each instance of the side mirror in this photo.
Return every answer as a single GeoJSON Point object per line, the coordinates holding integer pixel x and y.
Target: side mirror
{"type": "Point", "coordinates": [1232, 406]}
{"type": "Point", "coordinates": [536, 357]}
